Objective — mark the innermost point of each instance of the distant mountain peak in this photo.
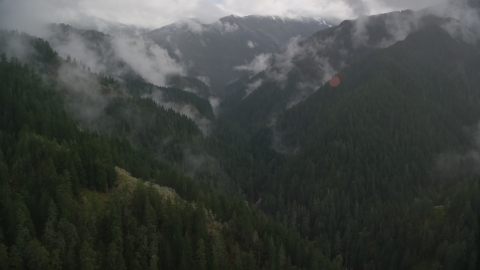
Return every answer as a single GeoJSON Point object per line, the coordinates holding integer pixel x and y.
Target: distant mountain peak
{"type": "Point", "coordinates": [190, 24]}
{"type": "Point", "coordinates": [279, 18]}
{"type": "Point", "coordinates": [228, 23]}
{"type": "Point", "coordinates": [214, 50]}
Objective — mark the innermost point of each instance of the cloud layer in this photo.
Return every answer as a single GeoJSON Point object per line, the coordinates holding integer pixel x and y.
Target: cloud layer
{"type": "Point", "coordinates": [25, 14]}
{"type": "Point", "coordinates": [147, 59]}
{"type": "Point", "coordinates": [187, 110]}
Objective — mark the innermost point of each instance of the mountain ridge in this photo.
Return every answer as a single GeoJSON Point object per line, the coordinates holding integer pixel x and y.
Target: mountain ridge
{"type": "Point", "coordinates": [214, 50]}
{"type": "Point", "coordinates": [233, 18]}
{"type": "Point", "coordinates": [302, 69]}
{"type": "Point", "coordinates": [377, 168]}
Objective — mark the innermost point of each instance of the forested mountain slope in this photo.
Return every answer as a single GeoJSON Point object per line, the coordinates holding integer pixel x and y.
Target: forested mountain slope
{"type": "Point", "coordinates": [164, 121]}
{"type": "Point", "coordinates": [305, 67]}
{"type": "Point", "coordinates": [380, 167]}
{"type": "Point", "coordinates": [129, 57]}
{"type": "Point", "coordinates": [200, 58]}
{"type": "Point", "coordinates": [64, 205]}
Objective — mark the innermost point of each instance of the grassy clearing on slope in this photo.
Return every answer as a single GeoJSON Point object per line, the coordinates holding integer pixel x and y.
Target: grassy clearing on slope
{"type": "Point", "coordinates": [126, 180]}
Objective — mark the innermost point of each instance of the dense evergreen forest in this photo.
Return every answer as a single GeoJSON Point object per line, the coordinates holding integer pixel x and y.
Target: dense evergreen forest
{"type": "Point", "coordinates": [380, 172]}
{"type": "Point", "coordinates": [382, 159]}
{"type": "Point", "coordinates": [67, 201]}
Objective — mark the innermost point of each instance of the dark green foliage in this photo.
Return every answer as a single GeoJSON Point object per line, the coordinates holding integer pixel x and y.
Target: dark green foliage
{"type": "Point", "coordinates": [61, 208]}
{"type": "Point", "coordinates": [358, 184]}
{"type": "Point", "coordinates": [366, 183]}
{"type": "Point", "coordinates": [140, 87]}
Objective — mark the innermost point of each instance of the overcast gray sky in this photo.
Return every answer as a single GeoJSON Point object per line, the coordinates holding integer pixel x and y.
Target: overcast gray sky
{"type": "Point", "coordinates": [22, 14]}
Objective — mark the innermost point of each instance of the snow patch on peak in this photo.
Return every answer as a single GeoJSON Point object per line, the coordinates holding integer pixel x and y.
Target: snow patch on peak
{"type": "Point", "coordinates": [290, 18]}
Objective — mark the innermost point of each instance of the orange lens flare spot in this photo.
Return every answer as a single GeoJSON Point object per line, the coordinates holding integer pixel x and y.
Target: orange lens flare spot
{"type": "Point", "coordinates": [334, 81]}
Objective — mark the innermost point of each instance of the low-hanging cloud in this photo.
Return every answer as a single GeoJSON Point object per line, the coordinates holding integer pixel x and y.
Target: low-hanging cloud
{"type": "Point", "coordinates": [225, 27]}
{"type": "Point", "coordinates": [461, 22]}
{"type": "Point", "coordinates": [70, 43]}
{"type": "Point", "coordinates": [187, 110]}
{"type": "Point", "coordinates": [147, 59]}
{"type": "Point", "coordinates": [115, 55]}
{"type": "Point", "coordinates": [194, 163]}
{"type": "Point", "coordinates": [252, 87]}
{"type": "Point", "coordinates": [215, 103]}
{"type": "Point", "coordinates": [277, 142]}
{"type": "Point", "coordinates": [464, 23]}
{"type": "Point", "coordinates": [192, 25]}
{"type": "Point", "coordinates": [84, 97]}
{"type": "Point", "coordinates": [204, 79]}
{"type": "Point", "coordinates": [18, 47]}
{"type": "Point", "coordinates": [358, 7]}
{"type": "Point", "coordinates": [304, 89]}
{"type": "Point", "coordinates": [457, 165]}
{"type": "Point", "coordinates": [26, 15]}
{"type": "Point", "coordinates": [283, 63]}
{"type": "Point", "coordinates": [258, 64]}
